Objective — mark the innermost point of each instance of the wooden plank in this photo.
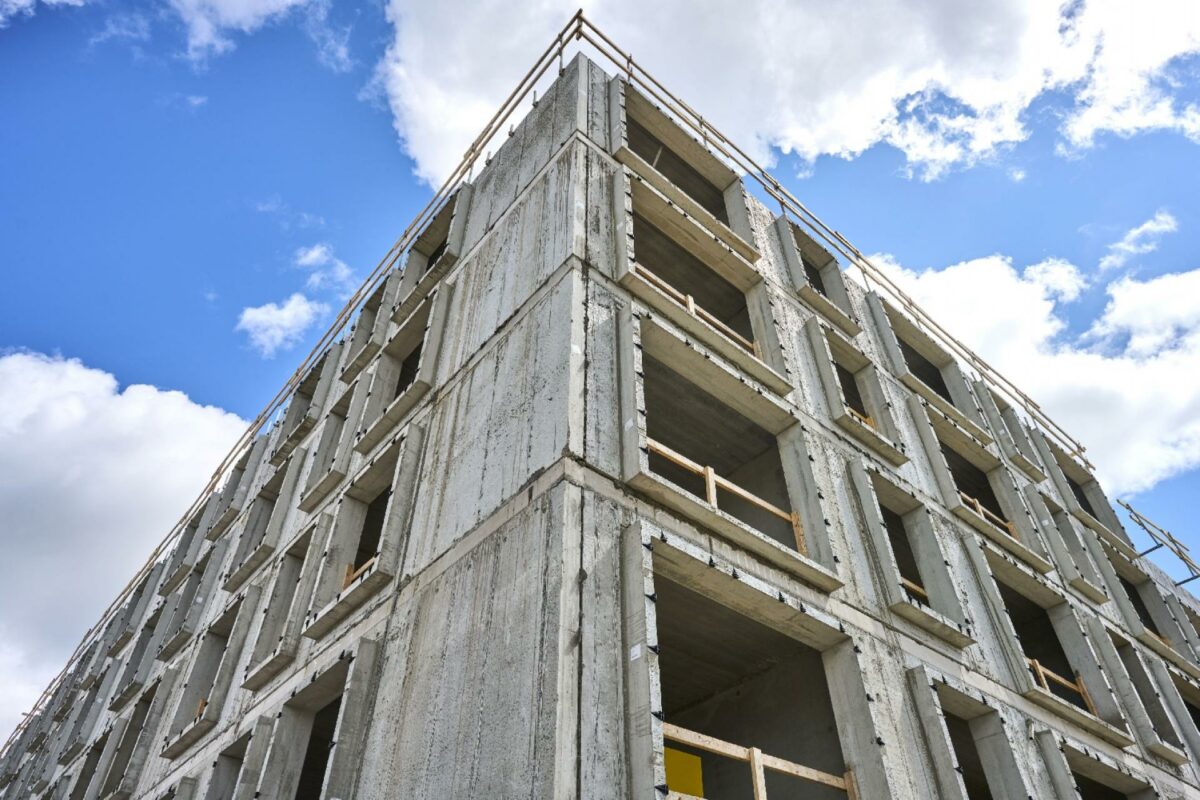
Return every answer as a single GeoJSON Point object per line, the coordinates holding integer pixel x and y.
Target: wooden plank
{"type": "Point", "coordinates": [757, 776]}
{"type": "Point", "coordinates": [803, 772]}
{"type": "Point", "coordinates": [700, 741]}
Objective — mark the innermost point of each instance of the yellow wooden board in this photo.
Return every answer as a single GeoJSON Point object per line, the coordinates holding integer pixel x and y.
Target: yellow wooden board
{"type": "Point", "coordinates": [685, 773]}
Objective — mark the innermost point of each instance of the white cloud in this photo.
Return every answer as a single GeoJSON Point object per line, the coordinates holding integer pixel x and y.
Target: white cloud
{"type": "Point", "coordinates": [273, 327]}
{"type": "Point", "coordinates": [332, 41]}
{"type": "Point", "coordinates": [1059, 279]}
{"type": "Point", "coordinates": [210, 22]}
{"type": "Point", "coordinates": [1123, 388]}
{"type": "Point", "coordinates": [9, 9]}
{"type": "Point", "coordinates": [287, 216]}
{"type": "Point", "coordinates": [1153, 316]}
{"type": "Point", "coordinates": [949, 84]}
{"type": "Point", "coordinates": [92, 476]}
{"type": "Point", "coordinates": [134, 27]}
{"type": "Point", "coordinates": [1137, 241]}
{"type": "Point", "coordinates": [210, 25]}
{"type": "Point", "coordinates": [326, 271]}
{"type": "Point", "coordinates": [1016, 174]}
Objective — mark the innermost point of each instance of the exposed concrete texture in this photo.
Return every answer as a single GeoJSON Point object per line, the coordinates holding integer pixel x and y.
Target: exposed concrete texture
{"type": "Point", "coordinates": [463, 564]}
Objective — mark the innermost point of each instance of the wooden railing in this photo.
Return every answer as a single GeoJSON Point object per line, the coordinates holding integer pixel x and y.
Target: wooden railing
{"type": "Point", "coordinates": [689, 305]}
{"type": "Point", "coordinates": [863, 418]}
{"type": "Point", "coordinates": [1045, 676]}
{"type": "Point", "coordinates": [353, 573]}
{"type": "Point", "coordinates": [995, 519]}
{"type": "Point", "coordinates": [759, 762]}
{"type": "Point", "coordinates": [713, 482]}
{"type": "Point", "coordinates": [914, 588]}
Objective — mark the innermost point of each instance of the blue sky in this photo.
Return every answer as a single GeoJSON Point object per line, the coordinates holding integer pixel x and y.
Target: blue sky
{"type": "Point", "coordinates": [166, 168]}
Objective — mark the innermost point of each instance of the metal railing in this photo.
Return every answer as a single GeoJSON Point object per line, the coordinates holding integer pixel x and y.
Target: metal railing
{"type": "Point", "coordinates": [1164, 538]}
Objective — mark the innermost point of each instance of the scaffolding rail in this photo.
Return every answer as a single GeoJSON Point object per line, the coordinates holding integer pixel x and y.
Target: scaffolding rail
{"type": "Point", "coordinates": [579, 29]}
{"type": "Point", "coordinates": [1163, 538]}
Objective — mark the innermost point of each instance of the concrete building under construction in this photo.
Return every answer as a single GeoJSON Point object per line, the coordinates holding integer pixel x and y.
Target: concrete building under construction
{"type": "Point", "coordinates": [620, 486]}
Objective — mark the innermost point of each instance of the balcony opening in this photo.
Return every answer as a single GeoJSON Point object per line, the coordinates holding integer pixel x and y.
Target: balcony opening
{"type": "Point", "coordinates": [676, 169]}
{"type": "Point", "coordinates": [316, 753]}
{"type": "Point", "coordinates": [278, 612]}
{"type": "Point", "coordinates": [692, 283]}
{"type": "Point", "coordinates": [408, 371]}
{"type": "Point", "coordinates": [129, 739]}
{"type": "Point", "coordinates": [730, 708]}
{"type": "Point", "coordinates": [1094, 790]}
{"type": "Point", "coordinates": [1139, 606]}
{"type": "Point", "coordinates": [906, 556]}
{"type": "Point", "coordinates": [368, 539]}
{"type": "Point", "coordinates": [327, 446]}
{"type": "Point", "coordinates": [1192, 705]}
{"type": "Point", "coordinates": [87, 772]}
{"type": "Point", "coordinates": [1044, 653]}
{"type": "Point", "coordinates": [368, 318]}
{"type": "Point", "coordinates": [975, 490]}
{"type": "Point", "coordinates": [1080, 495]}
{"type": "Point", "coordinates": [198, 691]}
{"type": "Point", "coordinates": [713, 452]}
{"type": "Point", "coordinates": [966, 753]}
{"type": "Point", "coordinates": [227, 770]}
{"type": "Point", "coordinates": [404, 372]}
{"type": "Point", "coordinates": [1148, 693]}
{"type": "Point", "coordinates": [851, 392]}
{"type": "Point", "coordinates": [814, 275]}
{"type": "Point", "coordinates": [925, 370]}
{"type": "Point", "coordinates": [178, 630]}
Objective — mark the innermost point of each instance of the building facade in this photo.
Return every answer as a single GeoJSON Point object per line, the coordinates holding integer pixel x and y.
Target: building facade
{"type": "Point", "coordinates": [622, 488]}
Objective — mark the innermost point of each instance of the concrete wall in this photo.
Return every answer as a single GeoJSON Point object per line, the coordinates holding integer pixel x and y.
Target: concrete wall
{"type": "Point", "coordinates": [509, 650]}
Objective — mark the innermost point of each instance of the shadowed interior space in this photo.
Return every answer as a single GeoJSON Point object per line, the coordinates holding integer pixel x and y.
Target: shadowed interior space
{"type": "Point", "coordinates": [1040, 642]}
{"type": "Point", "coordinates": [677, 170]}
{"type": "Point", "coordinates": [973, 482]}
{"type": "Point", "coordinates": [966, 753]}
{"type": "Point", "coordinates": [696, 425]}
{"type": "Point", "coordinates": [657, 253]}
{"type": "Point", "coordinates": [1093, 790]}
{"type": "Point", "coordinates": [727, 676]}
{"type": "Point", "coordinates": [924, 369]}
{"type": "Point", "coordinates": [316, 754]}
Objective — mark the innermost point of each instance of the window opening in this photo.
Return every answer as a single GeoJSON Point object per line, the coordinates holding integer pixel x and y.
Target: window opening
{"type": "Point", "coordinates": [906, 557]}
{"type": "Point", "coordinates": [966, 753]}
{"type": "Point", "coordinates": [814, 275]}
{"type": "Point", "coordinates": [726, 707]}
{"type": "Point", "coordinates": [713, 452]}
{"type": "Point", "coordinates": [1047, 661]}
{"type": "Point", "coordinates": [1080, 495]}
{"type": "Point", "coordinates": [1143, 611]}
{"type": "Point", "coordinates": [854, 398]}
{"type": "Point", "coordinates": [975, 490]}
{"type": "Point", "coordinates": [1094, 790]}
{"type": "Point", "coordinates": [369, 537]}
{"type": "Point", "coordinates": [692, 283]}
{"type": "Point", "coordinates": [925, 370]}
{"type": "Point", "coordinates": [316, 754]}
{"type": "Point", "coordinates": [675, 169]}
